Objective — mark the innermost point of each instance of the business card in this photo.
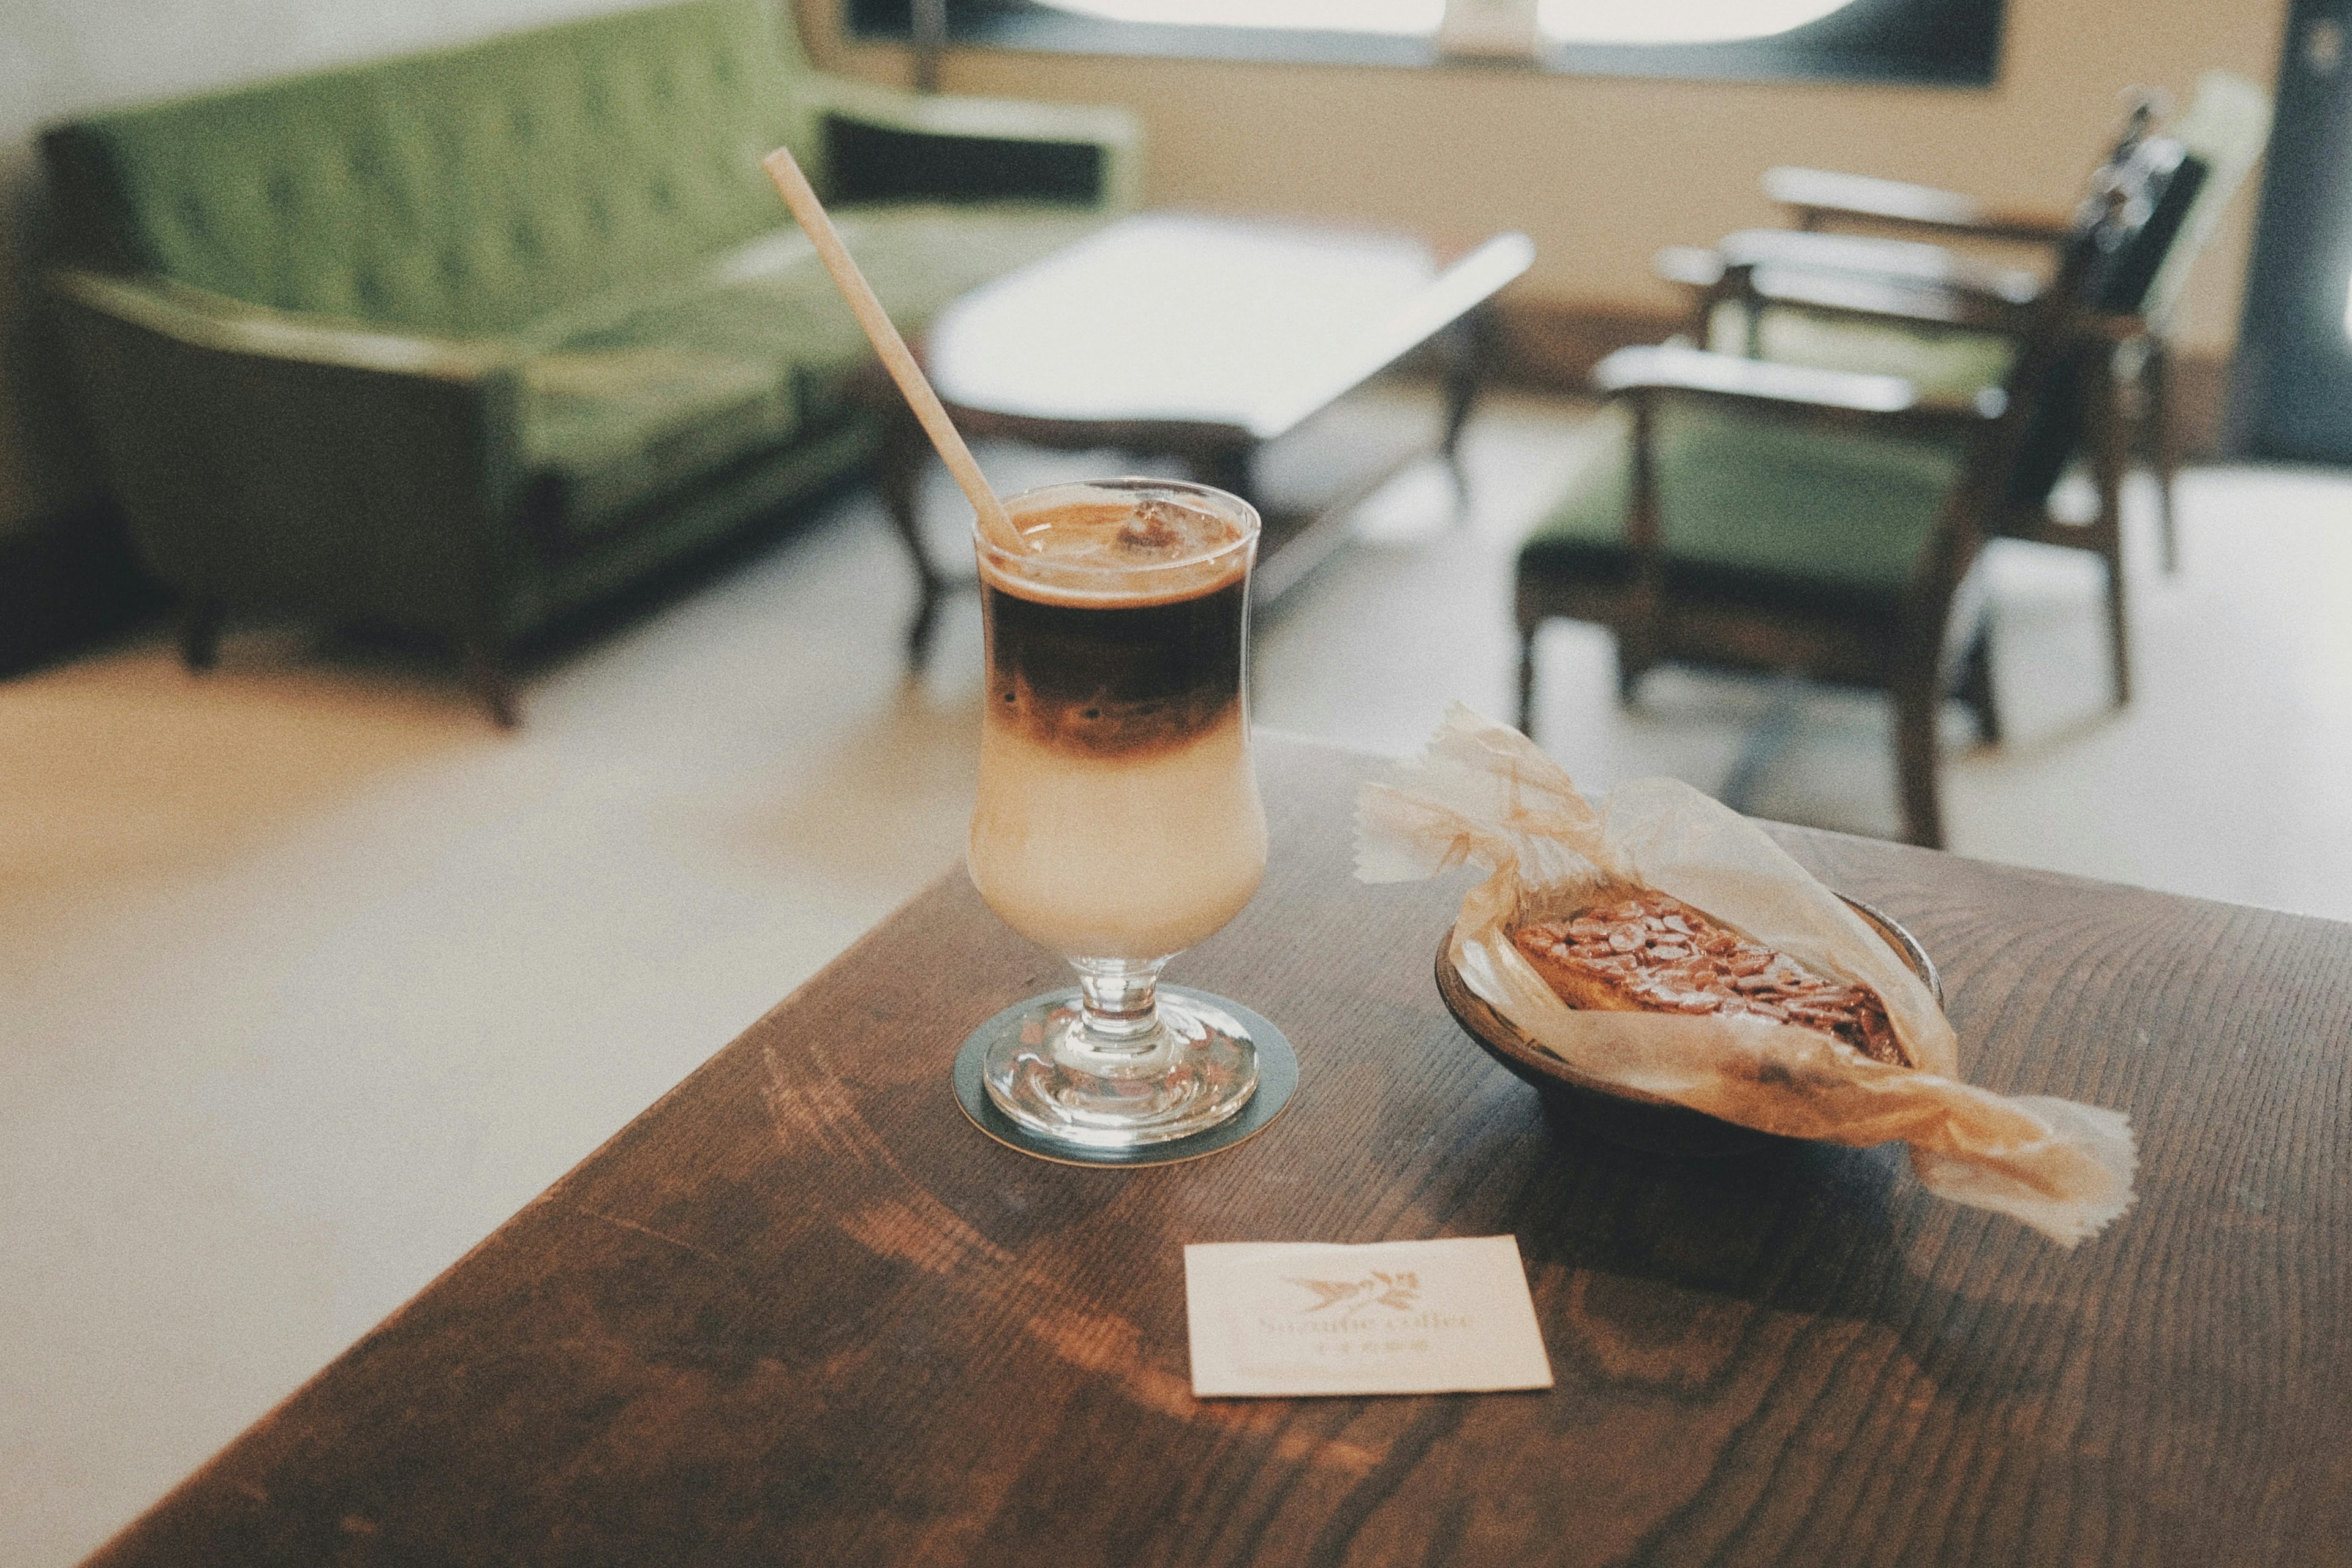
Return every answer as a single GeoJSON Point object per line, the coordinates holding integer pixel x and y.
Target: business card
{"type": "Point", "coordinates": [1392, 1317]}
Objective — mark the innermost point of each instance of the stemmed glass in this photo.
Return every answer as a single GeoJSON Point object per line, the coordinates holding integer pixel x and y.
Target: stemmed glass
{"type": "Point", "coordinates": [1118, 819]}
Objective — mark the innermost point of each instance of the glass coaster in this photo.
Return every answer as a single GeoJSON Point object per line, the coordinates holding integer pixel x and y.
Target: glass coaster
{"type": "Point", "coordinates": [1277, 1076]}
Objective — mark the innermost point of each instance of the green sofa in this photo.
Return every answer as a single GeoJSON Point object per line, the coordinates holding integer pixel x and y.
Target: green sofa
{"type": "Point", "coordinates": [460, 342]}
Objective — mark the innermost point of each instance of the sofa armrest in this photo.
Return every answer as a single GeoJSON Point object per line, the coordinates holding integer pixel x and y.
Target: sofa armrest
{"type": "Point", "coordinates": [267, 458]}
{"type": "Point", "coordinates": [200, 318]}
{"type": "Point", "coordinates": [884, 144]}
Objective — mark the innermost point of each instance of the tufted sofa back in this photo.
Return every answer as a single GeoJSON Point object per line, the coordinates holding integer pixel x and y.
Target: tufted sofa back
{"type": "Point", "coordinates": [471, 190]}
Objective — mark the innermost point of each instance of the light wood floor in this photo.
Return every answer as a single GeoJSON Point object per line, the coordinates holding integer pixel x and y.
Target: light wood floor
{"type": "Point", "coordinates": [311, 978]}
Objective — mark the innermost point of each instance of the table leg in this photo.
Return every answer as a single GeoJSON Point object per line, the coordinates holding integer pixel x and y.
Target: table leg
{"type": "Point", "coordinates": [1469, 346]}
{"type": "Point", "coordinates": [900, 477]}
{"type": "Point", "coordinates": [1228, 468]}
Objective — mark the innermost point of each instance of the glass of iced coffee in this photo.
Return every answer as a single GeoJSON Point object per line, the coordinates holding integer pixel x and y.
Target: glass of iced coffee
{"type": "Point", "coordinates": [1118, 819]}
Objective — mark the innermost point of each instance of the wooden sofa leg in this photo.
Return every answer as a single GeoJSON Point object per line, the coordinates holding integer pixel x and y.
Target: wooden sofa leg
{"type": "Point", "coordinates": [486, 672]}
{"type": "Point", "coordinates": [1916, 701]}
{"type": "Point", "coordinates": [200, 627]}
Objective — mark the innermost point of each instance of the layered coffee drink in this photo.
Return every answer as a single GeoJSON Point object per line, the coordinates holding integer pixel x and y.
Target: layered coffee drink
{"type": "Point", "coordinates": [1117, 816]}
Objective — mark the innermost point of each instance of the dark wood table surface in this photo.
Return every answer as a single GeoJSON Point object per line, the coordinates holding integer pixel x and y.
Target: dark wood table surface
{"type": "Point", "coordinates": [800, 1311]}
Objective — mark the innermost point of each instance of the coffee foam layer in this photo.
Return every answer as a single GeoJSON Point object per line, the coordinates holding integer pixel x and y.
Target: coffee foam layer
{"type": "Point", "coordinates": [1083, 545]}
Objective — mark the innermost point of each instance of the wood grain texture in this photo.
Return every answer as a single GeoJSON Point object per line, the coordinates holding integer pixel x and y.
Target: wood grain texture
{"type": "Point", "coordinates": [800, 1311]}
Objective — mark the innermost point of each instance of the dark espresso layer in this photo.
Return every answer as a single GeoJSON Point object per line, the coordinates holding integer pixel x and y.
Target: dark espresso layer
{"type": "Point", "coordinates": [1117, 681]}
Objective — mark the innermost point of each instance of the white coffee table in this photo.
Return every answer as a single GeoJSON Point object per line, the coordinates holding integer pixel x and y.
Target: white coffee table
{"type": "Point", "coordinates": [1205, 338]}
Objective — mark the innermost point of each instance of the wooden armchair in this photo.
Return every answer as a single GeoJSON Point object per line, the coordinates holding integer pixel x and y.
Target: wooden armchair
{"type": "Point", "coordinates": [1954, 324]}
{"type": "Point", "coordinates": [1826, 523]}
{"type": "Point", "coordinates": [1944, 317]}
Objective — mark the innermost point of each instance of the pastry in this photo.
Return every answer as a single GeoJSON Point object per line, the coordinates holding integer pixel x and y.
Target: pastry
{"type": "Point", "coordinates": [1646, 951]}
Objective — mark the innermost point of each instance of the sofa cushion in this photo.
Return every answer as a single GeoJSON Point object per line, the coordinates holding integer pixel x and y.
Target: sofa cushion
{"type": "Point", "coordinates": [469, 190]}
{"type": "Point", "coordinates": [626, 398]}
{"type": "Point", "coordinates": [1755, 509]}
{"type": "Point", "coordinates": [616, 429]}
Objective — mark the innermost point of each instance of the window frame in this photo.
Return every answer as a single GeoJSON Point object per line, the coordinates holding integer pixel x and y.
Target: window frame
{"type": "Point", "coordinates": [1900, 43]}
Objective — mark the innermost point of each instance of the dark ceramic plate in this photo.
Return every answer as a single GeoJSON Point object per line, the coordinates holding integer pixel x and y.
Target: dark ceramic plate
{"type": "Point", "coordinates": [1577, 1104]}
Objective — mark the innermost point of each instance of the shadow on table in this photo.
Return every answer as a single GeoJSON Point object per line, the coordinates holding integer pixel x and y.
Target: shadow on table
{"type": "Point", "coordinates": [1673, 1270]}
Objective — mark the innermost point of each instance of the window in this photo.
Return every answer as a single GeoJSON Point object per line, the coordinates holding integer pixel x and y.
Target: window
{"type": "Point", "coordinates": [1562, 21]}
{"type": "Point", "coordinates": [1400, 18]}
{"type": "Point", "coordinates": [1943, 42]}
{"type": "Point", "coordinates": [1673, 21]}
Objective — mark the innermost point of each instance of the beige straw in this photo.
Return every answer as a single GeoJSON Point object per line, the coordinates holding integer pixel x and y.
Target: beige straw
{"type": "Point", "coordinates": [801, 198]}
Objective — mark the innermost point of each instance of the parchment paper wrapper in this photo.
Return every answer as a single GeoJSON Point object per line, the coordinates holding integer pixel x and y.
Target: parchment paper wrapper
{"type": "Point", "coordinates": [1484, 794]}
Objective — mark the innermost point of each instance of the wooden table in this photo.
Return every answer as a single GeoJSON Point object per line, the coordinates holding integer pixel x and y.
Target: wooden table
{"type": "Point", "coordinates": [1208, 340]}
{"type": "Point", "coordinates": [801, 1313]}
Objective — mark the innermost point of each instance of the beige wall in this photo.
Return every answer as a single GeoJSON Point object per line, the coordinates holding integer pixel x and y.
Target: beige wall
{"type": "Point", "coordinates": [1601, 172]}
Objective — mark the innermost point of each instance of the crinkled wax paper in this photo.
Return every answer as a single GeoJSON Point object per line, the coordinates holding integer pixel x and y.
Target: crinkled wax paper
{"type": "Point", "coordinates": [1484, 794]}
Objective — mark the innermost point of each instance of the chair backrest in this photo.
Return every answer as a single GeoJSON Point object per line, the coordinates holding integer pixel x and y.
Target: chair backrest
{"type": "Point", "coordinates": [2121, 240]}
{"type": "Point", "coordinates": [2225, 127]}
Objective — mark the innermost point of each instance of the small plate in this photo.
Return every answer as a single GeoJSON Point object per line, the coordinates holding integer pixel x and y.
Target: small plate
{"type": "Point", "coordinates": [1635, 1120]}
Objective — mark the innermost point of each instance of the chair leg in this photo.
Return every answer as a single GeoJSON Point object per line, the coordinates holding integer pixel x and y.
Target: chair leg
{"type": "Point", "coordinates": [2110, 442]}
{"type": "Point", "coordinates": [2118, 633]}
{"type": "Point", "coordinates": [486, 672]}
{"type": "Point", "coordinates": [1916, 701]}
{"type": "Point", "coordinates": [200, 627]}
{"type": "Point", "coordinates": [2156, 434]}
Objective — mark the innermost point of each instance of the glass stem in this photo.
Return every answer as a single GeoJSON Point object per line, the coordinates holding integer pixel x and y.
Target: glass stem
{"type": "Point", "coordinates": [1120, 1004]}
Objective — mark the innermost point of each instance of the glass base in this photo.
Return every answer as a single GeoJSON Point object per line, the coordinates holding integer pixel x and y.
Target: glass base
{"type": "Point", "coordinates": [1195, 1071]}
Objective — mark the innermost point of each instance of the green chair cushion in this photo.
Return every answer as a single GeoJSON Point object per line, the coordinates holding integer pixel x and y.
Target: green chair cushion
{"type": "Point", "coordinates": [1755, 508]}
{"type": "Point", "coordinates": [625, 402]}
{"type": "Point", "coordinates": [1946, 364]}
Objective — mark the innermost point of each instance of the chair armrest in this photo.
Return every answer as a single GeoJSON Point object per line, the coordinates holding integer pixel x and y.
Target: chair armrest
{"type": "Point", "coordinates": [2112, 327]}
{"type": "Point", "coordinates": [1786, 388]}
{"type": "Point", "coordinates": [1692, 266]}
{"type": "Point", "coordinates": [1867, 256]}
{"type": "Point", "coordinates": [1892, 301]}
{"type": "Point", "coordinates": [1674, 367]}
{"type": "Point", "coordinates": [263, 457]}
{"type": "Point", "coordinates": [1818, 196]}
{"type": "Point", "coordinates": [982, 125]}
{"type": "Point", "coordinates": [1773, 274]}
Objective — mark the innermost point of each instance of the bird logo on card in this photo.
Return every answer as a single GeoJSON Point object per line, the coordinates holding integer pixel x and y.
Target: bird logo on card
{"type": "Point", "coordinates": [1397, 1291]}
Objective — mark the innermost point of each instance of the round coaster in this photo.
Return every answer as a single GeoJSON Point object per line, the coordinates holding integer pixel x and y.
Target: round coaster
{"type": "Point", "coordinates": [1277, 1076]}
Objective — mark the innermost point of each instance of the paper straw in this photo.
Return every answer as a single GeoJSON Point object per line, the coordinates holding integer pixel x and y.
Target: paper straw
{"type": "Point", "coordinates": [800, 197]}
